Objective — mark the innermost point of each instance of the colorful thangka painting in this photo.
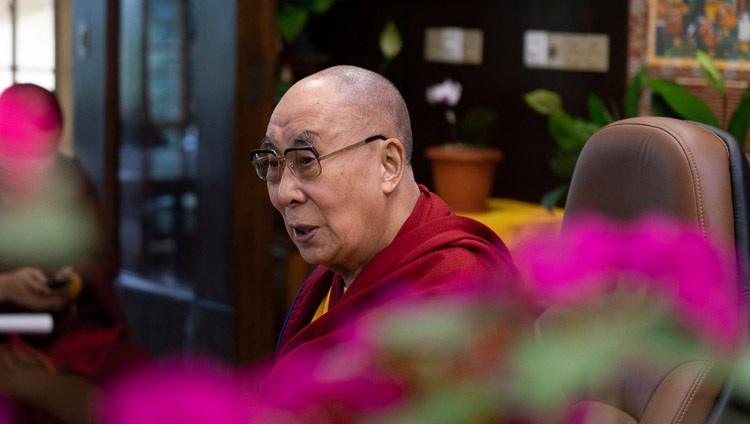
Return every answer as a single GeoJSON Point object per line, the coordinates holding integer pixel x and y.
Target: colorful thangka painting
{"type": "Point", "coordinates": [679, 28]}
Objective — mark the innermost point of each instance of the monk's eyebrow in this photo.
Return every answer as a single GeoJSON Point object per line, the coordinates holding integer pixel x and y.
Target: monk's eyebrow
{"type": "Point", "coordinates": [268, 144]}
{"type": "Point", "coordinates": [305, 138]}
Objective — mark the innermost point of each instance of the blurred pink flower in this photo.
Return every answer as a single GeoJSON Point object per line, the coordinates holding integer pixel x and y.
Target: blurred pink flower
{"type": "Point", "coordinates": [31, 121]}
{"type": "Point", "coordinates": [335, 385]}
{"type": "Point", "coordinates": [671, 259]}
{"type": "Point", "coordinates": [30, 127]}
{"type": "Point", "coordinates": [175, 392]}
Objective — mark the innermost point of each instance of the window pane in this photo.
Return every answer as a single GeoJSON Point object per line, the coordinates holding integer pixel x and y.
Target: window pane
{"type": "Point", "coordinates": [157, 170]}
{"type": "Point", "coordinates": [6, 37]}
{"type": "Point", "coordinates": [6, 79]}
{"type": "Point", "coordinates": [165, 60]}
{"type": "Point", "coordinates": [35, 38]}
{"type": "Point", "coordinates": [44, 78]}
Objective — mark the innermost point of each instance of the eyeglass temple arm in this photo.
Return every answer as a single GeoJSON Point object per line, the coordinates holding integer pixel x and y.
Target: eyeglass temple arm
{"type": "Point", "coordinates": [353, 146]}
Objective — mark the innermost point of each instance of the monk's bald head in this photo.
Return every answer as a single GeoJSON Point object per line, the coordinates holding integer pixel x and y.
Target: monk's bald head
{"type": "Point", "coordinates": [373, 96]}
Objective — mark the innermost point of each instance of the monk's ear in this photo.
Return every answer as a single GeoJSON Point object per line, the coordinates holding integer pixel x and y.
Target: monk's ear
{"type": "Point", "coordinates": [393, 162]}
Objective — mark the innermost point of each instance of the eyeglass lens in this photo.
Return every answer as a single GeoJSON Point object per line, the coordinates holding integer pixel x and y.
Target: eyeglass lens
{"type": "Point", "coordinates": [301, 161]}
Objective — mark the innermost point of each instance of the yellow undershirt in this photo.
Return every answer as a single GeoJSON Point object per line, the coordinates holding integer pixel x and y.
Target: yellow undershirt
{"type": "Point", "coordinates": [323, 307]}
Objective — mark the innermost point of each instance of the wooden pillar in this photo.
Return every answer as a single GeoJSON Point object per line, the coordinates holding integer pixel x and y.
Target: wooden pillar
{"type": "Point", "coordinates": [255, 304]}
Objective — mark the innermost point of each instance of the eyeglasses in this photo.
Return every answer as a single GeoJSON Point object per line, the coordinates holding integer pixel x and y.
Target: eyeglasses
{"type": "Point", "coordinates": [304, 162]}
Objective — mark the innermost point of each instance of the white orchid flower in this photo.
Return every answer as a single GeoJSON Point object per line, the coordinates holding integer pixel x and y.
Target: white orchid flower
{"type": "Point", "coordinates": [446, 93]}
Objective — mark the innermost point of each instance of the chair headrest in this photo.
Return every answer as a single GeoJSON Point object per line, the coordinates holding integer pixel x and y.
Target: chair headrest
{"type": "Point", "coordinates": [655, 165]}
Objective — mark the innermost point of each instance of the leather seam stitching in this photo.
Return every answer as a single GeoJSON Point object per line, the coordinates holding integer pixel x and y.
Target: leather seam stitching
{"type": "Point", "coordinates": [691, 395]}
{"type": "Point", "coordinates": [696, 182]}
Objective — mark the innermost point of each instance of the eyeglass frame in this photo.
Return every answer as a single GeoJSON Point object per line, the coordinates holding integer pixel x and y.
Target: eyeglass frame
{"type": "Point", "coordinates": [318, 157]}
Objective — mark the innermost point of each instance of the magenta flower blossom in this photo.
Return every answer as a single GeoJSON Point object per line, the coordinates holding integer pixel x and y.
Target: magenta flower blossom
{"type": "Point", "coordinates": [335, 385]}
{"type": "Point", "coordinates": [471, 354]}
{"type": "Point", "coordinates": [175, 392]}
{"type": "Point", "coordinates": [669, 259]}
{"type": "Point", "coordinates": [30, 127]}
{"type": "Point", "coordinates": [31, 122]}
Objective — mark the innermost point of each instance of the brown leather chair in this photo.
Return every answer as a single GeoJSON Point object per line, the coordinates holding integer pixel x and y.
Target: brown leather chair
{"type": "Point", "coordinates": [682, 169]}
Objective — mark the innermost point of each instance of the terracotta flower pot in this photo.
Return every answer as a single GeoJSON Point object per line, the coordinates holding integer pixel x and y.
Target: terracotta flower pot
{"type": "Point", "coordinates": [463, 176]}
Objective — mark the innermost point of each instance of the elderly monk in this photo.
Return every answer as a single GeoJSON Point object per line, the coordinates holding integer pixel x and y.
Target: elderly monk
{"type": "Point", "coordinates": [337, 162]}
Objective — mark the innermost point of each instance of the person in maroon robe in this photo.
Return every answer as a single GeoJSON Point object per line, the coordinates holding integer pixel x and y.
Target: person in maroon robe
{"type": "Point", "coordinates": [337, 162]}
{"type": "Point", "coordinates": [56, 258]}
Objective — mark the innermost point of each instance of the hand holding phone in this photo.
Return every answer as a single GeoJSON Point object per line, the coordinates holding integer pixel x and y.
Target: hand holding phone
{"type": "Point", "coordinates": [57, 284]}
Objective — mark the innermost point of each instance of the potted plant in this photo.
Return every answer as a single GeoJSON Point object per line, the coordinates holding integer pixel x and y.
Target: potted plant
{"type": "Point", "coordinates": [463, 167]}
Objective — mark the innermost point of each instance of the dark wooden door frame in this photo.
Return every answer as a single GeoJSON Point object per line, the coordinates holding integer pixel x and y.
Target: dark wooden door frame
{"type": "Point", "coordinates": [255, 311]}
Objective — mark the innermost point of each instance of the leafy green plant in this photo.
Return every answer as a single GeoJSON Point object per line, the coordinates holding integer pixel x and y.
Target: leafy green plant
{"type": "Point", "coordinates": [667, 98]}
{"type": "Point", "coordinates": [292, 18]}
{"type": "Point", "coordinates": [475, 126]}
{"type": "Point", "coordinates": [292, 15]}
{"type": "Point", "coordinates": [390, 45]}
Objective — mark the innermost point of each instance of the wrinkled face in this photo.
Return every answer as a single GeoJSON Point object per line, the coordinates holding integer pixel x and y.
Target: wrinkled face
{"type": "Point", "coordinates": [336, 218]}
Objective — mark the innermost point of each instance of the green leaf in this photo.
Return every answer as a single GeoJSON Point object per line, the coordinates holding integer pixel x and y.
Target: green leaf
{"type": "Point", "coordinates": [281, 88]}
{"type": "Point", "coordinates": [685, 104]}
{"type": "Point", "coordinates": [659, 107]}
{"type": "Point", "coordinates": [553, 198]}
{"type": "Point", "coordinates": [458, 402]}
{"type": "Point", "coordinates": [544, 101]}
{"type": "Point", "coordinates": [476, 124]}
{"type": "Point", "coordinates": [570, 133]}
{"type": "Point", "coordinates": [564, 364]}
{"type": "Point", "coordinates": [597, 111]}
{"type": "Point", "coordinates": [564, 163]}
{"type": "Point", "coordinates": [738, 124]}
{"type": "Point", "coordinates": [321, 6]}
{"type": "Point", "coordinates": [711, 73]}
{"type": "Point", "coordinates": [291, 21]}
{"type": "Point", "coordinates": [390, 41]}
{"type": "Point", "coordinates": [292, 15]}
{"type": "Point", "coordinates": [633, 93]}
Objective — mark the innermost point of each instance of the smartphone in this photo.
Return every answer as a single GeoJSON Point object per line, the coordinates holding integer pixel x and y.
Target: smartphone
{"type": "Point", "coordinates": [56, 284]}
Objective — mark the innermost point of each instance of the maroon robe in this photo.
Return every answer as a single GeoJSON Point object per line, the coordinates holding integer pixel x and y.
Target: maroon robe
{"type": "Point", "coordinates": [435, 252]}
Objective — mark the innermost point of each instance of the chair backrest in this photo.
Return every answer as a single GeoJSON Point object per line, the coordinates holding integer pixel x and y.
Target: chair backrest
{"type": "Point", "coordinates": [682, 169]}
{"type": "Point", "coordinates": [658, 164]}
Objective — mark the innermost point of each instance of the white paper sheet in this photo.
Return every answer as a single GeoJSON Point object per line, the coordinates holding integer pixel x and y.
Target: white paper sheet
{"type": "Point", "coordinates": [30, 323]}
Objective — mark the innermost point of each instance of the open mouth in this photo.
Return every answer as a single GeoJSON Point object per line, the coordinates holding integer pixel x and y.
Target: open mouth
{"type": "Point", "coordinates": [302, 234]}
{"type": "Point", "coordinates": [301, 231]}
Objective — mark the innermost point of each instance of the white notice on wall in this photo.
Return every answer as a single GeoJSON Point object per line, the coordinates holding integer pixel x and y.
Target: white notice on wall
{"type": "Point", "coordinates": [566, 51]}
